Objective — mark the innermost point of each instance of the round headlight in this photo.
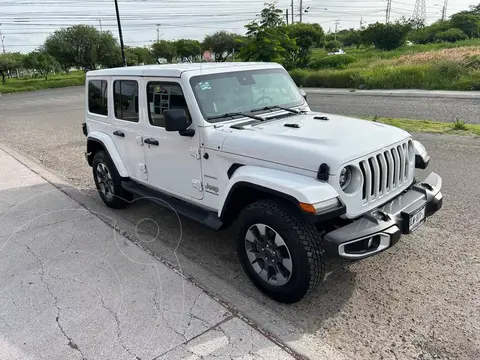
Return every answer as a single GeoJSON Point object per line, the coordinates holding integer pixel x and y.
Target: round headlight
{"type": "Point", "coordinates": [345, 177]}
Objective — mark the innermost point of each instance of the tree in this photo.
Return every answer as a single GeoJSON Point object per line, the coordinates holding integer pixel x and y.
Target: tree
{"type": "Point", "coordinates": [108, 53]}
{"type": "Point", "coordinates": [451, 35]}
{"type": "Point", "coordinates": [187, 48]}
{"type": "Point", "coordinates": [221, 43]}
{"type": "Point", "coordinates": [267, 45]}
{"type": "Point", "coordinates": [138, 55]}
{"type": "Point", "coordinates": [9, 62]}
{"type": "Point", "coordinates": [306, 37]}
{"type": "Point", "coordinates": [386, 36]}
{"type": "Point", "coordinates": [269, 17]}
{"type": "Point", "coordinates": [427, 34]}
{"type": "Point", "coordinates": [468, 23]}
{"type": "Point", "coordinates": [41, 62]}
{"type": "Point", "coordinates": [84, 47]}
{"type": "Point", "coordinates": [164, 49]}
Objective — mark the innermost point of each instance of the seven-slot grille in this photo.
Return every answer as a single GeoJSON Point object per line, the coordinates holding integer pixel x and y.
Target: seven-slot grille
{"type": "Point", "coordinates": [384, 172]}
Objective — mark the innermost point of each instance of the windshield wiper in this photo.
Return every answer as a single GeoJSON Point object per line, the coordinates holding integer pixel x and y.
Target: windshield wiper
{"type": "Point", "coordinates": [233, 114]}
{"type": "Point", "coordinates": [295, 111]}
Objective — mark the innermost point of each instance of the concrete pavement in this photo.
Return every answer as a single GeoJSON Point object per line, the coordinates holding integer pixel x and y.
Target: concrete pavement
{"type": "Point", "coordinates": [71, 287]}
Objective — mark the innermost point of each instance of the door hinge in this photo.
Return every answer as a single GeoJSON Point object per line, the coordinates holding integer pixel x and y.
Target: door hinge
{"type": "Point", "coordinates": [197, 184]}
{"type": "Point", "coordinates": [143, 167]}
{"type": "Point", "coordinates": [195, 153]}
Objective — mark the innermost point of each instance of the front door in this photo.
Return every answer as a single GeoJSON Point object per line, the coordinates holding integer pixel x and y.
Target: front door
{"type": "Point", "coordinates": [127, 130]}
{"type": "Point", "coordinates": [173, 161]}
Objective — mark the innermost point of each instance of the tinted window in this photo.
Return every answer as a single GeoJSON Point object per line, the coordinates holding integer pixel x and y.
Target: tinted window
{"type": "Point", "coordinates": [125, 98]}
{"type": "Point", "coordinates": [162, 97]}
{"type": "Point", "coordinates": [97, 97]}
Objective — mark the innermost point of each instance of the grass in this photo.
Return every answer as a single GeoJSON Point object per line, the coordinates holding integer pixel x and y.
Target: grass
{"type": "Point", "coordinates": [426, 126]}
{"type": "Point", "coordinates": [442, 66]}
{"type": "Point", "coordinates": [75, 78]}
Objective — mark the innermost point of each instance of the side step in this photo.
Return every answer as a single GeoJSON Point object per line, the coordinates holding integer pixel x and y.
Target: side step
{"type": "Point", "coordinates": [190, 211]}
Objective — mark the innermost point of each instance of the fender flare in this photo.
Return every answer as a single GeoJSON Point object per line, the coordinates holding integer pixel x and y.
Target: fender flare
{"type": "Point", "coordinates": [294, 188]}
{"type": "Point", "coordinates": [112, 151]}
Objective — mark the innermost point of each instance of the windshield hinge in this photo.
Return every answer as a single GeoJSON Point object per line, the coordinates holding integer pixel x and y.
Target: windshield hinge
{"type": "Point", "coordinates": [195, 153]}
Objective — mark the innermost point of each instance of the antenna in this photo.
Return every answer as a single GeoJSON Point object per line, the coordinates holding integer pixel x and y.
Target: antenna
{"type": "Point", "coordinates": [420, 11]}
{"type": "Point", "coordinates": [388, 11]}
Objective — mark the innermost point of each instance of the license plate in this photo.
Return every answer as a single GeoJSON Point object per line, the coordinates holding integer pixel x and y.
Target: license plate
{"type": "Point", "coordinates": [417, 218]}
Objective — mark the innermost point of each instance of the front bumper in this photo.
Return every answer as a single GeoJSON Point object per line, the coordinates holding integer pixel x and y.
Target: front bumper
{"type": "Point", "coordinates": [381, 228]}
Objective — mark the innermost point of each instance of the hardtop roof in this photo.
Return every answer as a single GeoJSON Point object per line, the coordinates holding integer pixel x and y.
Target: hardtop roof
{"type": "Point", "coordinates": [176, 70]}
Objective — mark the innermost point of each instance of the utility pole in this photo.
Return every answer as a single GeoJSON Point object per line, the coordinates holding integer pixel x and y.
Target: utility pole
{"type": "Point", "coordinates": [286, 15]}
{"type": "Point", "coordinates": [337, 22]}
{"type": "Point", "coordinates": [361, 22]}
{"type": "Point", "coordinates": [158, 32]}
{"type": "Point", "coordinates": [301, 10]}
{"type": "Point", "coordinates": [444, 11]}
{"type": "Point", "coordinates": [388, 11]}
{"type": "Point", "coordinates": [124, 60]}
{"type": "Point", "coordinates": [100, 22]}
{"type": "Point", "coordinates": [3, 40]}
{"type": "Point", "coordinates": [293, 12]}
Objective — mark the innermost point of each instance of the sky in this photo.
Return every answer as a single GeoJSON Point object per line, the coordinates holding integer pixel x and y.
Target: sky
{"type": "Point", "coordinates": [25, 24]}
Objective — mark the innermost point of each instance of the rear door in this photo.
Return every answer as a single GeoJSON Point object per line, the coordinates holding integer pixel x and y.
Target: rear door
{"type": "Point", "coordinates": [127, 128]}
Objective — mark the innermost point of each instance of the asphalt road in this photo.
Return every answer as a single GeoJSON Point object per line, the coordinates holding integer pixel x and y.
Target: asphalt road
{"type": "Point", "coordinates": [418, 300]}
{"type": "Point", "coordinates": [420, 108]}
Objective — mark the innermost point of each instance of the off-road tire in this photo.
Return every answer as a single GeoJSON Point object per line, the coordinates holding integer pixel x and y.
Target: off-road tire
{"type": "Point", "coordinates": [120, 198]}
{"type": "Point", "coordinates": [302, 239]}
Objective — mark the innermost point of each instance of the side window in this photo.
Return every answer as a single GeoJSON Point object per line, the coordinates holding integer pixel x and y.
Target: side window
{"type": "Point", "coordinates": [162, 97]}
{"type": "Point", "coordinates": [97, 97]}
{"type": "Point", "coordinates": [125, 99]}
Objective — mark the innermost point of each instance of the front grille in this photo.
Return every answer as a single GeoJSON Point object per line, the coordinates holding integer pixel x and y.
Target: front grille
{"type": "Point", "coordinates": [385, 172]}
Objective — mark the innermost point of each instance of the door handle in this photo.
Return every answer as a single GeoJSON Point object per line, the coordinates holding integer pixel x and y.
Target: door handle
{"type": "Point", "coordinates": [119, 133]}
{"type": "Point", "coordinates": [151, 141]}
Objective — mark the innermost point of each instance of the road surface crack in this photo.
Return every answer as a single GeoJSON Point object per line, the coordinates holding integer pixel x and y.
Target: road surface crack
{"type": "Point", "coordinates": [119, 331]}
{"type": "Point", "coordinates": [70, 343]}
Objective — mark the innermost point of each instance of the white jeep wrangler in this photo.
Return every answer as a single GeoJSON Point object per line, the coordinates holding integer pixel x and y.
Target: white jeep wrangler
{"type": "Point", "coordinates": [237, 142]}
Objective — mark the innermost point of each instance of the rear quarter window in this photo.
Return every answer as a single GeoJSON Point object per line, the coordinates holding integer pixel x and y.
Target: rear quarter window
{"type": "Point", "coordinates": [98, 97]}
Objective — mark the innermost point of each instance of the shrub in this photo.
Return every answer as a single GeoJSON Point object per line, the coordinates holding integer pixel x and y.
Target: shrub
{"type": "Point", "coordinates": [459, 125]}
{"type": "Point", "coordinates": [326, 78]}
{"type": "Point", "coordinates": [334, 62]}
{"type": "Point", "coordinates": [333, 45]}
{"type": "Point", "coordinates": [452, 35]}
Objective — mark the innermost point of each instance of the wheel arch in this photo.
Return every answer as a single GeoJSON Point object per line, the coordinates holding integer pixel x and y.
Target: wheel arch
{"type": "Point", "coordinates": [251, 183]}
{"type": "Point", "coordinates": [96, 142]}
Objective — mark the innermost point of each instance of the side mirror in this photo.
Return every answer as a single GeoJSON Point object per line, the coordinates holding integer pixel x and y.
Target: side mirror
{"type": "Point", "coordinates": [304, 94]}
{"type": "Point", "coordinates": [176, 120]}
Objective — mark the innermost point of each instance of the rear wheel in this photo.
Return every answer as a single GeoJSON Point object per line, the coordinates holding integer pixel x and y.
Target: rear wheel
{"type": "Point", "coordinates": [108, 182]}
{"type": "Point", "coordinates": [280, 252]}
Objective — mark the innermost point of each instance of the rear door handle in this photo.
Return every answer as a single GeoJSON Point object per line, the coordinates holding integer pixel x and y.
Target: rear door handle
{"type": "Point", "coordinates": [151, 141]}
{"type": "Point", "coordinates": [119, 133]}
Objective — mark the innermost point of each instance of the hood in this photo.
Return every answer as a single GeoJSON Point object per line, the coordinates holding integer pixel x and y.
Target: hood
{"type": "Point", "coordinates": [335, 141]}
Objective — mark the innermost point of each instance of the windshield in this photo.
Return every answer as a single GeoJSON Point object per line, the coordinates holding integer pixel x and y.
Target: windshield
{"type": "Point", "coordinates": [243, 91]}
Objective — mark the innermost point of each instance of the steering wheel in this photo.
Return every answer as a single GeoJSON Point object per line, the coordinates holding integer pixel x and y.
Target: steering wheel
{"type": "Point", "coordinates": [263, 98]}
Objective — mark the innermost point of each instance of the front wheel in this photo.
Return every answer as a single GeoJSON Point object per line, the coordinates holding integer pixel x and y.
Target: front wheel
{"type": "Point", "coordinates": [108, 182]}
{"type": "Point", "coordinates": [280, 252]}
